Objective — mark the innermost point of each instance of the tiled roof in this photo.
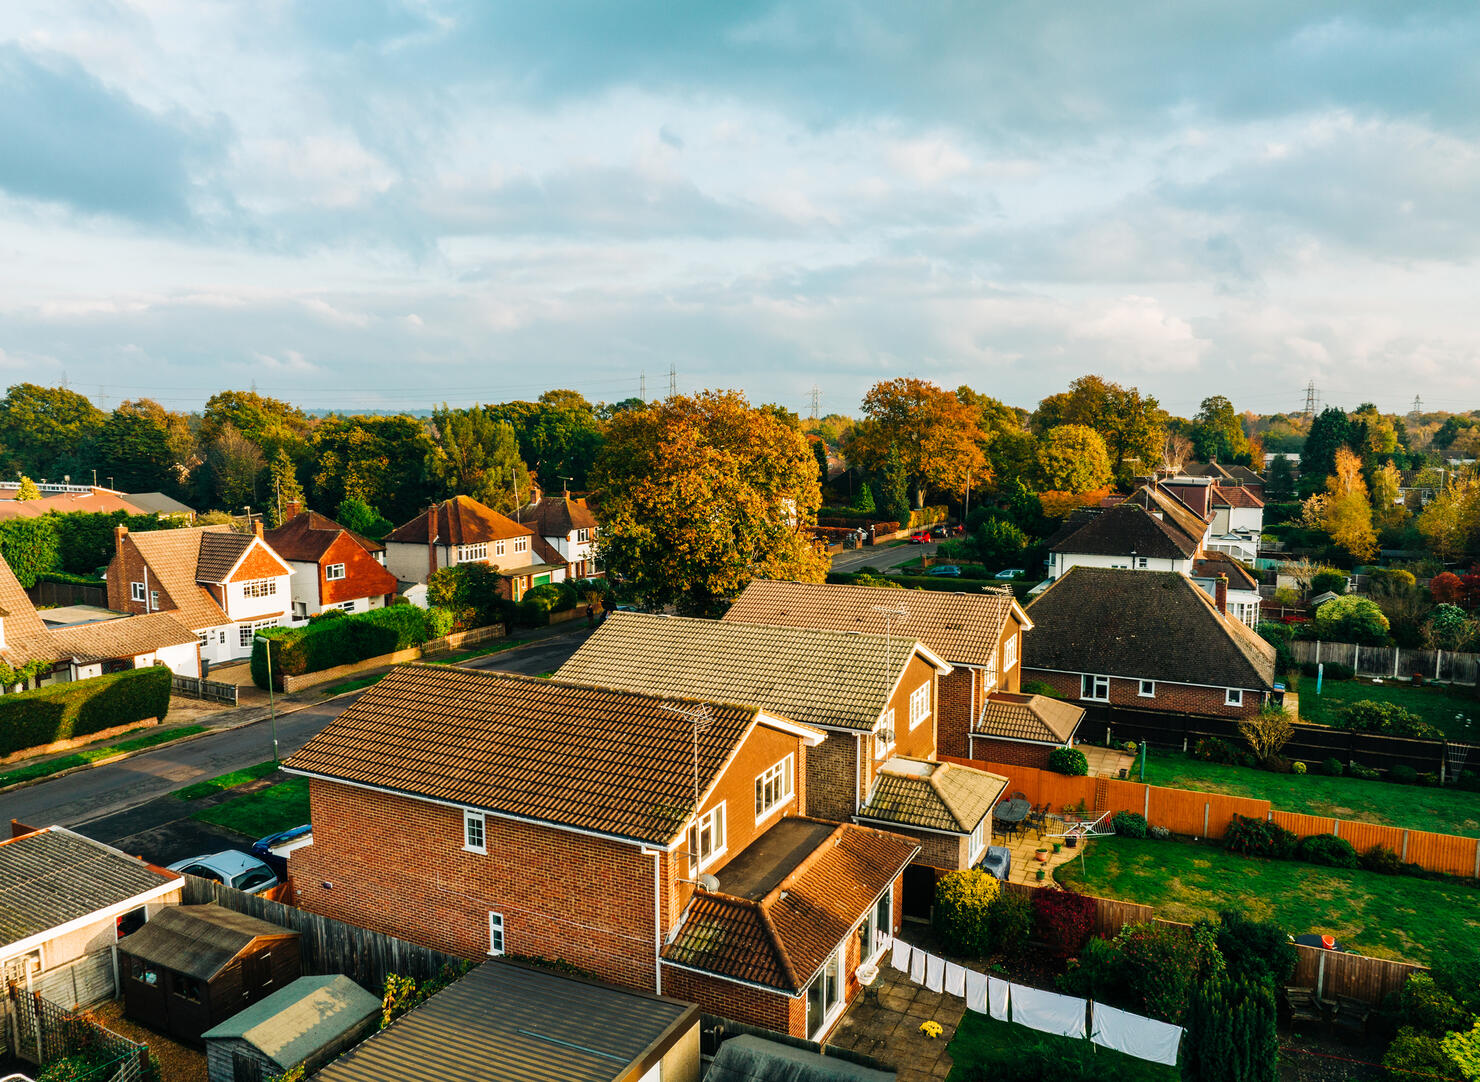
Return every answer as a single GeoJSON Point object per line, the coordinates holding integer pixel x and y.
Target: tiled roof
{"type": "Point", "coordinates": [25, 632]}
{"type": "Point", "coordinates": [219, 553]}
{"type": "Point", "coordinates": [1129, 528]}
{"type": "Point", "coordinates": [197, 940]}
{"type": "Point", "coordinates": [1213, 564]}
{"type": "Point", "coordinates": [55, 876]}
{"type": "Point", "coordinates": [1029, 717]}
{"type": "Point", "coordinates": [94, 502]}
{"type": "Point", "coordinates": [1240, 474]}
{"type": "Point", "coordinates": [962, 628]}
{"type": "Point", "coordinates": [782, 939]}
{"type": "Point", "coordinates": [172, 556]}
{"type": "Point", "coordinates": [829, 678]}
{"type": "Point", "coordinates": [937, 796]}
{"type": "Point", "coordinates": [307, 536]}
{"type": "Point", "coordinates": [1156, 498]}
{"type": "Point", "coordinates": [461, 520]}
{"type": "Point", "coordinates": [128, 636]}
{"type": "Point", "coordinates": [1150, 625]}
{"type": "Point", "coordinates": [594, 758]}
{"type": "Point", "coordinates": [557, 516]}
{"type": "Point", "coordinates": [1235, 496]}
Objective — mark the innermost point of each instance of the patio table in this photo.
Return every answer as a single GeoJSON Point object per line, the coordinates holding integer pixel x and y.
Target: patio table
{"type": "Point", "coordinates": [1010, 813]}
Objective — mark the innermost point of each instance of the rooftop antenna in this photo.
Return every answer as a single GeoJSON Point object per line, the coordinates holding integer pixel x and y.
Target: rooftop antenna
{"type": "Point", "coordinates": [897, 612]}
{"type": "Point", "coordinates": [701, 718]}
{"type": "Point", "coordinates": [566, 483]}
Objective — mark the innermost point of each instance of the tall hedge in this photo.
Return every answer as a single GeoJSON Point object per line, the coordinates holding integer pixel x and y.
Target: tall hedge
{"type": "Point", "coordinates": [32, 719]}
{"type": "Point", "coordinates": [335, 638]}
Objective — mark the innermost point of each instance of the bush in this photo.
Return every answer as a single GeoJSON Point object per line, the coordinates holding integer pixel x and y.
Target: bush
{"type": "Point", "coordinates": [963, 911]}
{"type": "Point", "coordinates": [1419, 1055]}
{"type": "Point", "coordinates": [1231, 1032]}
{"type": "Point", "coordinates": [1352, 619]}
{"type": "Point", "coordinates": [1382, 860]}
{"type": "Point", "coordinates": [33, 719]}
{"type": "Point", "coordinates": [1069, 761]}
{"type": "Point", "coordinates": [1162, 962]}
{"type": "Point", "coordinates": [438, 622]}
{"type": "Point", "coordinates": [1297, 768]}
{"type": "Point", "coordinates": [1357, 770]}
{"type": "Point", "coordinates": [551, 597]}
{"type": "Point", "coordinates": [1210, 749]}
{"type": "Point", "coordinates": [1326, 849]}
{"type": "Point", "coordinates": [1403, 775]}
{"type": "Point", "coordinates": [338, 639]}
{"type": "Point", "coordinates": [1063, 920]}
{"type": "Point", "coordinates": [1258, 838]}
{"type": "Point", "coordinates": [1011, 924]}
{"type": "Point", "coordinates": [1328, 579]}
{"type": "Point", "coordinates": [1129, 824]}
{"type": "Point", "coordinates": [1161, 834]}
{"type": "Point", "coordinates": [1428, 1008]}
{"type": "Point", "coordinates": [1255, 950]}
{"type": "Point", "coordinates": [1038, 687]}
{"type": "Point", "coordinates": [470, 592]}
{"type": "Point", "coordinates": [1385, 719]}
{"type": "Point", "coordinates": [1332, 768]}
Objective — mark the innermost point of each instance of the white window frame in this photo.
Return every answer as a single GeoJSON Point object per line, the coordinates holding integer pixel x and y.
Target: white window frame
{"type": "Point", "coordinates": [259, 587]}
{"type": "Point", "coordinates": [875, 941]}
{"type": "Point", "coordinates": [1146, 689]}
{"type": "Point", "coordinates": [838, 962]}
{"type": "Point", "coordinates": [333, 572]}
{"type": "Point", "coordinates": [475, 832]}
{"type": "Point", "coordinates": [1010, 654]}
{"type": "Point", "coordinates": [467, 554]}
{"type": "Point", "coordinates": [978, 845]}
{"type": "Point", "coordinates": [246, 632]}
{"type": "Point", "coordinates": [712, 819]}
{"type": "Point", "coordinates": [1142, 563]}
{"type": "Point", "coordinates": [136, 591]}
{"type": "Point", "coordinates": [521, 544]}
{"type": "Point", "coordinates": [779, 781]}
{"type": "Point", "coordinates": [204, 638]}
{"type": "Point", "coordinates": [886, 725]}
{"type": "Point", "coordinates": [344, 606]}
{"type": "Point", "coordinates": [1233, 696]}
{"type": "Point", "coordinates": [583, 535]}
{"type": "Point", "coordinates": [496, 943]}
{"type": "Point", "coordinates": [919, 704]}
{"type": "Point", "coordinates": [1089, 685]}
{"type": "Point", "coordinates": [498, 548]}
{"type": "Point", "coordinates": [153, 600]}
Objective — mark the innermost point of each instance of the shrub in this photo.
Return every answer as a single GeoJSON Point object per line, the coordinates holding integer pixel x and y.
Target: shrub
{"type": "Point", "coordinates": [1385, 719]}
{"type": "Point", "coordinates": [438, 622]}
{"type": "Point", "coordinates": [470, 592]}
{"type": "Point", "coordinates": [1332, 768]}
{"type": "Point", "coordinates": [1162, 962]}
{"type": "Point", "coordinates": [1328, 579]}
{"type": "Point", "coordinates": [1326, 849]}
{"type": "Point", "coordinates": [1255, 949]}
{"type": "Point", "coordinates": [963, 911]}
{"type": "Point", "coordinates": [1352, 619]}
{"type": "Point", "coordinates": [1210, 749]}
{"type": "Point", "coordinates": [1382, 860]}
{"type": "Point", "coordinates": [1231, 1032]}
{"type": "Point", "coordinates": [1297, 768]}
{"type": "Point", "coordinates": [1011, 920]}
{"type": "Point", "coordinates": [1428, 1008]}
{"type": "Point", "coordinates": [1038, 687]}
{"type": "Point", "coordinates": [1267, 733]}
{"type": "Point", "coordinates": [551, 597]}
{"type": "Point", "coordinates": [1357, 770]}
{"type": "Point", "coordinates": [1063, 919]}
{"type": "Point", "coordinates": [1129, 824]}
{"type": "Point", "coordinates": [1416, 1054]}
{"type": "Point", "coordinates": [1428, 778]}
{"type": "Point", "coordinates": [1258, 838]}
{"type": "Point", "coordinates": [1403, 775]}
{"type": "Point", "coordinates": [1069, 761]}
{"type": "Point", "coordinates": [32, 719]}
{"type": "Point", "coordinates": [1097, 974]}
{"type": "Point", "coordinates": [1161, 834]}
{"type": "Point", "coordinates": [337, 639]}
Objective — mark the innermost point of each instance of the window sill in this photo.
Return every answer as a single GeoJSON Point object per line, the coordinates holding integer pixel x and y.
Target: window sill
{"type": "Point", "coordinates": [708, 862]}
{"type": "Point", "coordinates": [916, 724]}
{"type": "Point", "coordinates": [775, 809]}
{"type": "Point", "coordinates": [1145, 694]}
{"type": "Point", "coordinates": [482, 852]}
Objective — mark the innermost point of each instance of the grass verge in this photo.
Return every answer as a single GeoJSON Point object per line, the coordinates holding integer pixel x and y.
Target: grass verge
{"type": "Point", "coordinates": [498, 648]}
{"type": "Point", "coordinates": [355, 685]}
{"type": "Point", "coordinates": [226, 781]}
{"type": "Point", "coordinates": [267, 811]}
{"type": "Point", "coordinates": [1435, 703]}
{"type": "Point", "coordinates": [93, 755]}
{"type": "Point", "coordinates": [1412, 807]}
{"type": "Point", "coordinates": [1414, 920]}
{"type": "Point", "coordinates": [986, 1048]}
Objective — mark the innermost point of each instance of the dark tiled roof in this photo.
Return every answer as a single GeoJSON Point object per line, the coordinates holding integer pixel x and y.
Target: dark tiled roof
{"type": "Point", "coordinates": [197, 940]}
{"type": "Point", "coordinates": [219, 553]}
{"type": "Point", "coordinates": [1128, 528]}
{"type": "Point", "coordinates": [557, 516]}
{"type": "Point", "coordinates": [962, 628]}
{"type": "Point", "coordinates": [55, 876]}
{"type": "Point", "coordinates": [157, 503]}
{"type": "Point", "coordinates": [307, 536]}
{"type": "Point", "coordinates": [1213, 564]}
{"type": "Point", "coordinates": [461, 520]}
{"type": "Point", "coordinates": [1239, 474]}
{"type": "Point", "coordinates": [173, 557]}
{"type": "Point", "coordinates": [1155, 498]}
{"type": "Point", "coordinates": [1151, 625]}
{"type": "Point", "coordinates": [1234, 496]}
{"type": "Point", "coordinates": [618, 762]}
{"type": "Point", "coordinates": [1029, 717]}
{"type": "Point", "coordinates": [782, 939]}
{"type": "Point", "coordinates": [937, 796]}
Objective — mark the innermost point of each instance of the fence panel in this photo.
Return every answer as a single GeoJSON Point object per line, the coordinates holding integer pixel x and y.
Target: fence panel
{"type": "Point", "coordinates": [1389, 661]}
{"type": "Point", "coordinates": [1444, 853]}
{"type": "Point", "coordinates": [210, 690]}
{"type": "Point", "coordinates": [1303, 825]}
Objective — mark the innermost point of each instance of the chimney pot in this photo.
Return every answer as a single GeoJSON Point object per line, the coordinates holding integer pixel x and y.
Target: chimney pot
{"type": "Point", "coordinates": [1220, 595]}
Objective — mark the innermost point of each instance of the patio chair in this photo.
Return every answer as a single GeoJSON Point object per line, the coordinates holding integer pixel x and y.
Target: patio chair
{"type": "Point", "coordinates": [1351, 1016]}
{"type": "Point", "coordinates": [1303, 1006]}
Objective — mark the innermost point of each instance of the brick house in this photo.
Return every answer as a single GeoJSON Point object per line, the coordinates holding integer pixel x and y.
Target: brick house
{"type": "Point", "coordinates": [1242, 596]}
{"type": "Point", "coordinates": [1146, 641]}
{"type": "Point", "coordinates": [1225, 475]}
{"type": "Point", "coordinates": [333, 568]}
{"type": "Point", "coordinates": [565, 532]}
{"type": "Point", "coordinates": [460, 531]}
{"type": "Point", "coordinates": [489, 814]}
{"type": "Point", "coordinates": [222, 585]}
{"type": "Point", "coordinates": [981, 635]}
{"type": "Point", "coordinates": [1155, 528]}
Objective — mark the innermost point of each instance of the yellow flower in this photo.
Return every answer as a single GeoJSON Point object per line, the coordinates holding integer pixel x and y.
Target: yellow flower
{"type": "Point", "coordinates": [930, 1029]}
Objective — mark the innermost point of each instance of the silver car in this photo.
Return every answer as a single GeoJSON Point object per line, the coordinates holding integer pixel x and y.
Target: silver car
{"type": "Point", "coordinates": [232, 867]}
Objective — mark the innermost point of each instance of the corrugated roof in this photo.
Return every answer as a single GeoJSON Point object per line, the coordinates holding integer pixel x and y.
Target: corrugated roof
{"type": "Point", "coordinates": [962, 628]}
{"type": "Point", "coordinates": [157, 503]}
{"type": "Point", "coordinates": [600, 759]}
{"type": "Point", "coordinates": [937, 796]}
{"type": "Point", "coordinates": [1029, 717]}
{"type": "Point", "coordinates": [197, 940]}
{"type": "Point", "coordinates": [307, 536]}
{"type": "Point", "coordinates": [829, 678]}
{"type": "Point", "coordinates": [504, 1021]}
{"type": "Point", "coordinates": [55, 876]}
{"type": "Point", "coordinates": [1129, 528]}
{"type": "Point", "coordinates": [301, 1018]}
{"type": "Point", "coordinates": [461, 520]}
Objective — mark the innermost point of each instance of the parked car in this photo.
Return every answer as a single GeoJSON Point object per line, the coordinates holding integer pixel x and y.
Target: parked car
{"type": "Point", "coordinates": [273, 850]}
{"type": "Point", "coordinates": [921, 538]}
{"type": "Point", "coordinates": [946, 570]}
{"type": "Point", "coordinates": [1010, 573]}
{"type": "Point", "coordinates": [232, 867]}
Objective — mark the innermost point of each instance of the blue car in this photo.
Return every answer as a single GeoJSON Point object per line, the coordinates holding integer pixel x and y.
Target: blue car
{"type": "Point", "coordinates": [273, 850]}
{"type": "Point", "coordinates": [949, 570]}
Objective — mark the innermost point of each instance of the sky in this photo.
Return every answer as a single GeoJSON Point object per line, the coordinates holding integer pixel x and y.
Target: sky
{"type": "Point", "coordinates": [392, 203]}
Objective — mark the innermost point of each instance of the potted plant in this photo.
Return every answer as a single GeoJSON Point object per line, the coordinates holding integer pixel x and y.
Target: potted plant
{"type": "Point", "coordinates": [1042, 855]}
{"type": "Point", "coordinates": [1041, 873]}
{"type": "Point", "coordinates": [1058, 846]}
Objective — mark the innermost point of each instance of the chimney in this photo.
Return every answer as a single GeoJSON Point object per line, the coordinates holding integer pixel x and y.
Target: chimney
{"type": "Point", "coordinates": [431, 540]}
{"type": "Point", "coordinates": [291, 511]}
{"type": "Point", "coordinates": [1220, 594]}
{"type": "Point", "coordinates": [257, 527]}
{"type": "Point", "coordinates": [119, 532]}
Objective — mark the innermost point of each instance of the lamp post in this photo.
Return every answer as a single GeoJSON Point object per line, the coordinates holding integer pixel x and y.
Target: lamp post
{"type": "Point", "coordinates": [271, 699]}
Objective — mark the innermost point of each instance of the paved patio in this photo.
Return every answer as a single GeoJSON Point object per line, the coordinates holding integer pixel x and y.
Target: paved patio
{"type": "Point", "coordinates": [1025, 848]}
{"type": "Point", "coordinates": [1106, 762]}
{"type": "Point", "coordinates": [888, 1027]}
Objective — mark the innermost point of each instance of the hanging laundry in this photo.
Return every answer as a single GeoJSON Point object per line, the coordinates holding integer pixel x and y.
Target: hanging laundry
{"type": "Point", "coordinates": [917, 966]}
{"type": "Point", "coordinates": [900, 958]}
{"type": "Point", "coordinates": [976, 991]}
{"type": "Point", "coordinates": [1144, 1038]}
{"type": "Point", "coordinates": [955, 979]}
{"type": "Point", "coordinates": [997, 992]}
{"type": "Point", "coordinates": [935, 972]}
{"type": "Point", "coordinates": [1048, 1012]}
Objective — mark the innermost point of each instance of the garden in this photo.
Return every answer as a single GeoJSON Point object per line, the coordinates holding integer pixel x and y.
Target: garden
{"type": "Point", "coordinates": [1436, 704]}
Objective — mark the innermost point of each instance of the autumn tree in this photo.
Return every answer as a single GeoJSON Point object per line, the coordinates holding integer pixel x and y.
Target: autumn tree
{"type": "Point", "coordinates": [473, 453]}
{"type": "Point", "coordinates": [933, 431]}
{"type": "Point", "coordinates": [27, 489]}
{"type": "Point", "coordinates": [1218, 434]}
{"type": "Point", "coordinates": [699, 495]}
{"type": "Point", "coordinates": [1451, 522]}
{"type": "Point", "coordinates": [1176, 451]}
{"type": "Point", "coordinates": [48, 431]}
{"type": "Point", "coordinates": [1388, 510]}
{"type": "Point", "coordinates": [1072, 458]}
{"type": "Point", "coordinates": [1132, 425]}
{"type": "Point", "coordinates": [1348, 513]}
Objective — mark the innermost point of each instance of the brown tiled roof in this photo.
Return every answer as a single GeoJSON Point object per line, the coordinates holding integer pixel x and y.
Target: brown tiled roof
{"type": "Point", "coordinates": [961, 628]}
{"type": "Point", "coordinates": [557, 516]}
{"type": "Point", "coordinates": [1029, 717]}
{"type": "Point", "coordinates": [1239, 474]}
{"type": "Point", "coordinates": [1149, 625]}
{"type": "Point", "coordinates": [219, 553]}
{"type": "Point", "coordinates": [461, 520]}
{"type": "Point", "coordinates": [1235, 496]}
{"type": "Point", "coordinates": [937, 796]}
{"type": "Point", "coordinates": [173, 557]}
{"type": "Point", "coordinates": [782, 939]}
{"type": "Point", "coordinates": [1127, 528]}
{"type": "Point", "coordinates": [1213, 564]}
{"type": "Point", "coordinates": [1156, 498]}
{"type": "Point", "coordinates": [128, 636]}
{"type": "Point", "coordinates": [829, 678]}
{"type": "Point", "coordinates": [307, 536]}
{"type": "Point", "coordinates": [611, 761]}
{"type": "Point", "coordinates": [21, 620]}
{"type": "Point", "coordinates": [95, 502]}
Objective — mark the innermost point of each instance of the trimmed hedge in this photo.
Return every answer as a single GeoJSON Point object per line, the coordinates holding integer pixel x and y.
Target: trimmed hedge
{"type": "Point", "coordinates": [336, 638]}
{"type": "Point", "coordinates": [33, 719]}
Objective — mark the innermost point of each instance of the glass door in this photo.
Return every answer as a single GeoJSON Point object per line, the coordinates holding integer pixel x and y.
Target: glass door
{"type": "Point", "coordinates": [824, 995]}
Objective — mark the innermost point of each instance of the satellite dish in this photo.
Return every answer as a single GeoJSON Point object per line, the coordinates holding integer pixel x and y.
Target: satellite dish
{"type": "Point", "coordinates": [708, 882]}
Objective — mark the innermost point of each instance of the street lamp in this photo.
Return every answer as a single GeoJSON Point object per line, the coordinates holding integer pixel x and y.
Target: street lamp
{"type": "Point", "coordinates": [271, 700]}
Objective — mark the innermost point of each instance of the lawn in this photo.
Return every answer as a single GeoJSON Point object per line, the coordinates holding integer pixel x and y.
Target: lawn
{"type": "Point", "coordinates": [355, 685]}
{"type": "Point", "coordinates": [1435, 703]}
{"type": "Point", "coordinates": [226, 781]}
{"type": "Point", "coordinates": [264, 812]}
{"type": "Point", "coordinates": [93, 755]}
{"type": "Point", "coordinates": [1415, 920]}
{"type": "Point", "coordinates": [1413, 807]}
{"type": "Point", "coordinates": [468, 655]}
{"type": "Point", "coordinates": [986, 1048]}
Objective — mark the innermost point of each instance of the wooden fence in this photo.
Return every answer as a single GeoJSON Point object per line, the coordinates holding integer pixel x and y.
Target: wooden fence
{"type": "Point", "coordinates": [328, 945]}
{"type": "Point", "coordinates": [50, 593]}
{"type": "Point", "coordinates": [1207, 815]}
{"type": "Point", "coordinates": [1391, 662]}
{"type": "Point", "coordinates": [211, 690]}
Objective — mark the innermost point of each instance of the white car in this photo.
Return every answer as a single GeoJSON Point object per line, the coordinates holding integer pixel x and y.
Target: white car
{"type": "Point", "coordinates": [1010, 573]}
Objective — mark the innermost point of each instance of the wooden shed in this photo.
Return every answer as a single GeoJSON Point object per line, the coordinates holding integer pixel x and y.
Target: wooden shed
{"type": "Point", "coordinates": [195, 966]}
{"type": "Point", "coordinates": [310, 1021]}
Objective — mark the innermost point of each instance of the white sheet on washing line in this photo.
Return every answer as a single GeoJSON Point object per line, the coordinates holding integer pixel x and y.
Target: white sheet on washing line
{"type": "Point", "coordinates": [1048, 1012]}
{"type": "Point", "coordinates": [1144, 1038]}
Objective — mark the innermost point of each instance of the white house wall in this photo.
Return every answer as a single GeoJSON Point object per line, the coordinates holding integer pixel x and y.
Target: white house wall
{"type": "Point", "coordinates": [241, 607]}
{"type": "Point", "coordinates": [1060, 562]}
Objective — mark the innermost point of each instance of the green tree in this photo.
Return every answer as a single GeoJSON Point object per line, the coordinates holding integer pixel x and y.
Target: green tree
{"type": "Point", "coordinates": [1132, 425]}
{"type": "Point", "coordinates": [1464, 1050]}
{"type": "Point", "coordinates": [1072, 458]}
{"type": "Point", "coordinates": [1279, 483]}
{"type": "Point", "coordinates": [1450, 628]}
{"type": "Point", "coordinates": [48, 431]}
{"type": "Point", "coordinates": [469, 591]}
{"type": "Point", "coordinates": [30, 547]}
{"type": "Point", "coordinates": [1329, 432]}
{"type": "Point", "coordinates": [1217, 433]}
{"type": "Point", "coordinates": [819, 452]}
{"type": "Point", "coordinates": [1352, 619]}
{"type": "Point", "coordinates": [236, 465]}
{"type": "Point", "coordinates": [27, 490]}
{"type": "Point", "coordinates": [700, 495]}
{"type": "Point", "coordinates": [145, 448]}
{"type": "Point", "coordinates": [285, 489]}
{"type": "Point", "coordinates": [863, 500]}
{"type": "Point", "coordinates": [381, 460]}
{"type": "Point", "coordinates": [1231, 1032]}
{"type": "Point", "coordinates": [894, 489]}
{"type": "Point", "coordinates": [473, 453]}
{"type": "Point", "coordinates": [999, 543]}
{"type": "Point", "coordinates": [356, 515]}
{"type": "Point", "coordinates": [559, 437]}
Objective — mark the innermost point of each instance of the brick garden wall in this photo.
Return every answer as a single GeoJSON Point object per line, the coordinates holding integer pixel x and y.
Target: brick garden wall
{"type": "Point", "coordinates": [1010, 751]}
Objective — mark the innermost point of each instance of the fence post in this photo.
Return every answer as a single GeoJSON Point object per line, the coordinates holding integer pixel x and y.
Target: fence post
{"type": "Point", "coordinates": [1336, 827]}
{"type": "Point", "coordinates": [1395, 662]}
{"type": "Point", "coordinates": [1318, 651]}
{"type": "Point", "coordinates": [1321, 976]}
{"type": "Point", "coordinates": [1405, 846]}
{"type": "Point", "coordinates": [1477, 859]}
{"type": "Point", "coordinates": [1146, 805]}
{"type": "Point", "coordinates": [1206, 805]}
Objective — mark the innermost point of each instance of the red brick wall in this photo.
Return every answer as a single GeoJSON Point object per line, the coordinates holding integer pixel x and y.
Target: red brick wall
{"type": "Point", "coordinates": [954, 718]}
{"type": "Point", "coordinates": [1012, 752]}
{"type": "Point", "coordinates": [832, 777]}
{"type": "Point", "coordinates": [363, 576]}
{"type": "Point", "coordinates": [918, 743]}
{"type": "Point", "coordinates": [259, 564]}
{"type": "Point", "coordinates": [944, 851]}
{"type": "Point", "coordinates": [127, 566]}
{"type": "Point", "coordinates": [1172, 698]}
{"type": "Point", "coordinates": [773, 1010]}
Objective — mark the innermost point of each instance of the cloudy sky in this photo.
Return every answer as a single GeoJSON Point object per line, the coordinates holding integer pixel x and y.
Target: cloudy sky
{"type": "Point", "coordinates": [385, 203]}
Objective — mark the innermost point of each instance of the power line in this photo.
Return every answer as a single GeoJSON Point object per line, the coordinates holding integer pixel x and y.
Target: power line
{"type": "Point", "coordinates": [1310, 400]}
{"type": "Point", "coordinates": [816, 399]}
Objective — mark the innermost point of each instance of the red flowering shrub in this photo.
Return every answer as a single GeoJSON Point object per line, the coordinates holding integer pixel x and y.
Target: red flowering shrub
{"type": "Point", "coordinates": [1063, 920]}
{"type": "Point", "coordinates": [1446, 588]}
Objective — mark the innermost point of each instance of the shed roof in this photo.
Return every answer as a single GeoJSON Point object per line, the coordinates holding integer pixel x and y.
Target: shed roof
{"type": "Point", "coordinates": [534, 1025]}
{"type": "Point", "coordinates": [198, 940]}
{"type": "Point", "coordinates": [128, 636]}
{"type": "Point", "coordinates": [300, 1018]}
{"type": "Point", "coordinates": [1029, 717]}
{"type": "Point", "coordinates": [937, 796]}
{"type": "Point", "coordinates": [157, 503]}
{"type": "Point", "coordinates": [749, 1058]}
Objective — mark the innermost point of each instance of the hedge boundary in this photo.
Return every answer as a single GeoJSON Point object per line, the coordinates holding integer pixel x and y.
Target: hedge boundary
{"type": "Point", "coordinates": [332, 640]}
{"type": "Point", "coordinates": [59, 712]}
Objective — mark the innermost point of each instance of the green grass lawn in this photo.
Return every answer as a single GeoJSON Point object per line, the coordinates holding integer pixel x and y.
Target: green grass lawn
{"type": "Point", "coordinates": [1415, 920]}
{"type": "Point", "coordinates": [1435, 703]}
{"type": "Point", "coordinates": [1414, 807]}
{"type": "Point", "coordinates": [226, 781]}
{"type": "Point", "coordinates": [93, 755]}
{"type": "Point", "coordinates": [355, 685]}
{"type": "Point", "coordinates": [468, 655]}
{"type": "Point", "coordinates": [264, 812]}
{"type": "Point", "coordinates": [983, 1044]}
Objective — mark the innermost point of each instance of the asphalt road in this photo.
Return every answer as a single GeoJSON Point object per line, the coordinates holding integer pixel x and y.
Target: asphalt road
{"type": "Point", "coordinates": [105, 791]}
{"type": "Point", "coordinates": [879, 557]}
